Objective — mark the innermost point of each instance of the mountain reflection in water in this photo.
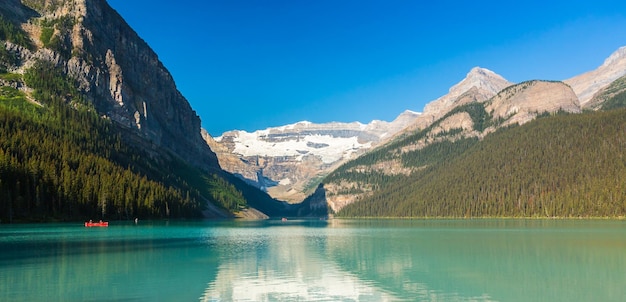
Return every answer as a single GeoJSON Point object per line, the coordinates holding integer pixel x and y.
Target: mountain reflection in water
{"type": "Point", "coordinates": [336, 260]}
{"type": "Point", "coordinates": [284, 263]}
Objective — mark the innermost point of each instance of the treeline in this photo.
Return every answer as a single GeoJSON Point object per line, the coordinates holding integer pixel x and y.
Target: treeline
{"type": "Point", "coordinates": [563, 166]}
{"type": "Point", "coordinates": [14, 34]}
{"type": "Point", "coordinates": [61, 161]}
{"type": "Point", "coordinates": [615, 94]}
{"type": "Point", "coordinates": [438, 149]}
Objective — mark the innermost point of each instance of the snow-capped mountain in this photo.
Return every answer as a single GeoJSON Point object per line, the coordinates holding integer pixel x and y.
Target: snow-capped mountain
{"type": "Point", "coordinates": [286, 160]}
{"type": "Point", "coordinates": [447, 119]}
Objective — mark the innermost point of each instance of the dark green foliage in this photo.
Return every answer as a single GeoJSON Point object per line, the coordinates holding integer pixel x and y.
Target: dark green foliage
{"type": "Point", "coordinates": [564, 165]}
{"type": "Point", "coordinates": [436, 152]}
{"type": "Point", "coordinates": [8, 93]}
{"type": "Point", "coordinates": [225, 193]}
{"type": "Point", "coordinates": [11, 33]}
{"type": "Point", "coordinates": [55, 35]}
{"type": "Point", "coordinates": [11, 77]}
{"type": "Point", "coordinates": [54, 170]}
{"type": "Point", "coordinates": [51, 85]}
{"type": "Point", "coordinates": [613, 96]}
{"type": "Point", "coordinates": [419, 160]}
{"type": "Point", "coordinates": [481, 119]}
{"type": "Point", "coordinates": [212, 186]}
{"type": "Point", "coordinates": [46, 35]}
{"type": "Point", "coordinates": [7, 59]}
{"type": "Point", "coordinates": [618, 101]}
{"type": "Point", "coordinates": [262, 201]}
{"type": "Point", "coordinates": [14, 100]}
{"type": "Point", "coordinates": [62, 161]}
{"type": "Point", "coordinates": [14, 34]}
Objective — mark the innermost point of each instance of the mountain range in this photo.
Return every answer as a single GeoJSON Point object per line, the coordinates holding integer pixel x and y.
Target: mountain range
{"type": "Point", "coordinates": [120, 139]}
{"type": "Point", "coordinates": [94, 127]}
{"type": "Point", "coordinates": [289, 161]}
{"type": "Point", "coordinates": [456, 135]}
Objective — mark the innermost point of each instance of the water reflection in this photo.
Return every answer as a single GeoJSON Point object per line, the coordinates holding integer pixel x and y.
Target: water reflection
{"type": "Point", "coordinates": [71, 263]}
{"type": "Point", "coordinates": [487, 260]}
{"type": "Point", "coordinates": [338, 260]}
{"type": "Point", "coordinates": [284, 263]}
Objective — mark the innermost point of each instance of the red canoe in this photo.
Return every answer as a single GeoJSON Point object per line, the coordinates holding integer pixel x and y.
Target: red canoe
{"type": "Point", "coordinates": [97, 224]}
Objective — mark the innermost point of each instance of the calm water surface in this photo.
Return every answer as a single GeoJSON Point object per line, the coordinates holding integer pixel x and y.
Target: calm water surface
{"type": "Point", "coordinates": [336, 260]}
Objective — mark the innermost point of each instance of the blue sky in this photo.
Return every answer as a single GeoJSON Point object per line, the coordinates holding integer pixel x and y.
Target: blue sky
{"type": "Point", "coordinates": [253, 64]}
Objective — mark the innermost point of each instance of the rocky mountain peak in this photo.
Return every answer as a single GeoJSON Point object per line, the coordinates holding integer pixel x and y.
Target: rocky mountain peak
{"type": "Point", "coordinates": [587, 84]}
{"type": "Point", "coordinates": [480, 73]}
{"type": "Point", "coordinates": [481, 78]}
{"type": "Point", "coordinates": [615, 57]}
{"type": "Point", "coordinates": [484, 80]}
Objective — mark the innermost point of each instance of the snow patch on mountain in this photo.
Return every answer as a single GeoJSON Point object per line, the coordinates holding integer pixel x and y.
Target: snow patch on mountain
{"type": "Point", "coordinates": [327, 147]}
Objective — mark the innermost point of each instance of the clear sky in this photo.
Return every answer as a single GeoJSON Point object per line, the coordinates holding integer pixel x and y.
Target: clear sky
{"type": "Point", "coordinates": [253, 64]}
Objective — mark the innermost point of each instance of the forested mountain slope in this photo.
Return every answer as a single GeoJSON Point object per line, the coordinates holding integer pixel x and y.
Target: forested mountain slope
{"type": "Point", "coordinates": [467, 162]}
{"type": "Point", "coordinates": [611, 97]}
{"type": "Point", "coordinates": [460, 127]}
{"type": "Point", "coordinates": [567, 165]}
{"type": "Point", "coordinates": [93, 126]}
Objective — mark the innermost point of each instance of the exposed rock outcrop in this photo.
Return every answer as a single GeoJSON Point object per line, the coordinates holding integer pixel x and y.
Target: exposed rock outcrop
{"type": "Point", "coordinates": [119, 73]}
{"type": "Point", "coordinates": [485, 82]}
{"type": "Point", "coordinates": [614, 89]}
{"type": "Point", "coordinates": [521, 103]}
{"type": "Point", "coordinates": [289, 161]}
{"type": "Point", "coordinates": [479, 85]}
{"type": "Point", "coordinates": [589, 83]}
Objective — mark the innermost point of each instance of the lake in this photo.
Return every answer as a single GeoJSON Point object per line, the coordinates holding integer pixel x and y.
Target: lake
{"type": "Point", "coordinates": [309, 260]}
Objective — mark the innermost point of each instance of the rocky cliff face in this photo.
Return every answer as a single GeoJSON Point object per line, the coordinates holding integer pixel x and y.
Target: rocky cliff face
{"type": "Point", "coordinates": [288, 161]}
{"type": "Point", "coordinates": [116, 70]}
{"type": "Point", "coordinates": [479, 85]}
{"type": "Point", "coordinates": [589, 83]}
{"type": "Point", "coordinates": [614, 90]}
{"type": "Point", "coordinates": [519, 104]}
{"type": "Point", "coordinates": [482, 81]}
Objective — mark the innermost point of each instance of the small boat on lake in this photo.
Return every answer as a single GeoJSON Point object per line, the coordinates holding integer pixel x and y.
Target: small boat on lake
{"type": "Point", "coordinates": [96, 224]}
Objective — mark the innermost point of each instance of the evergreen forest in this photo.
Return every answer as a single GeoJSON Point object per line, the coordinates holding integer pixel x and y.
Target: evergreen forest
{"type": "Point", "coordinates": [561, 165]}
{"type": "Point", "coordinates": [59, 161]}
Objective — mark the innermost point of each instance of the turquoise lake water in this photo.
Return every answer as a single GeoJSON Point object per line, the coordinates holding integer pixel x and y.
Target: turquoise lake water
{"type": "Point", "coordinates": [335, 260]}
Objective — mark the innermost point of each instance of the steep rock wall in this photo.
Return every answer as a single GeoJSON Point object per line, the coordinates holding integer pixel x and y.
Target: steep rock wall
{"type": "Point", "coordinates": [119, 73]}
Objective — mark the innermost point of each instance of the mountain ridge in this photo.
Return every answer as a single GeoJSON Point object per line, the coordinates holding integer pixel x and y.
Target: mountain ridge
{"type": "Point", "coordinates": [479, 84]}
{"type": "Point", "coordinates": [93, 44]}
{"type": "Point", "coordinates": [484, 80]}
{"type": "Point", "coordinates": [564, 165]}
{"type": "Point", "coordinates": [456, 119]}
{"type": "Point", "coordinates": [79, 59]}
{"type": "Point", "coordinates": [286, 160]}
{"type": "Point", "coordinates": [587, 84]}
